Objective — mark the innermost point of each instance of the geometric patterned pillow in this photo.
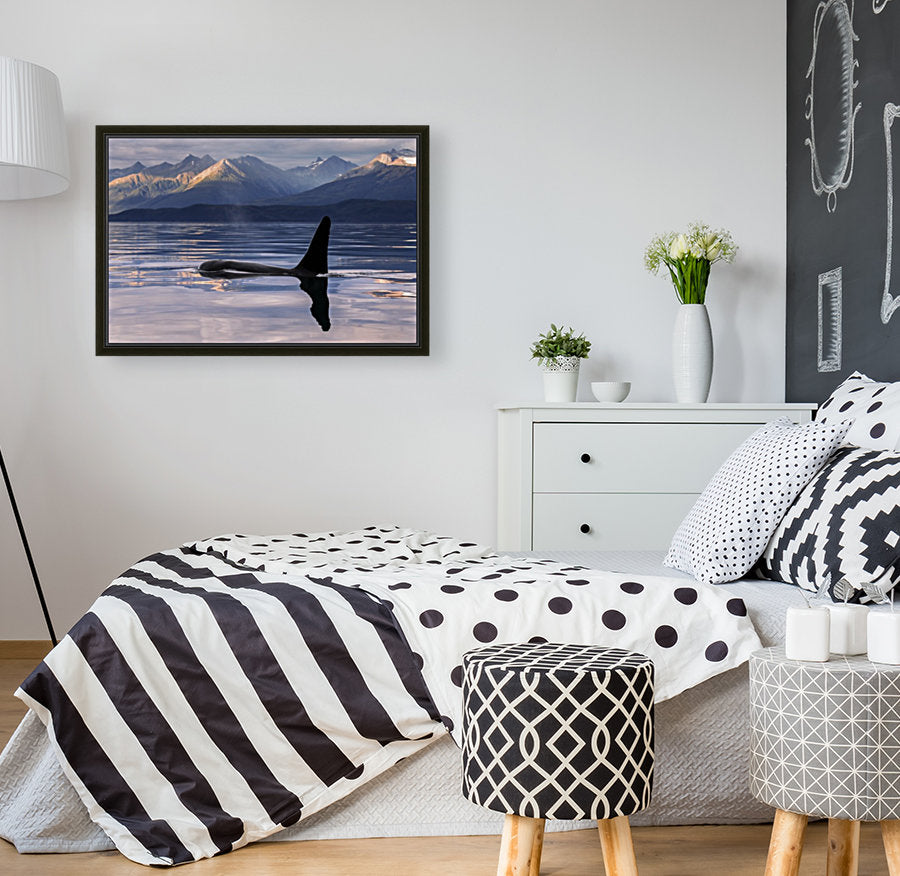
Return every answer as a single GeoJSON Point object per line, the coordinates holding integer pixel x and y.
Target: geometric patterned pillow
{"type": "Point", "coordinates": [731, 522]}
{"type": "Point", "coordinates": [844, 524]}
{"type": "Point", "coordinates": [873, 408]}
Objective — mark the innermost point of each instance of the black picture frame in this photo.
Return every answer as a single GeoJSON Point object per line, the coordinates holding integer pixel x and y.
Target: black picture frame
{"type": "Point", "coordinates": [195, 247]}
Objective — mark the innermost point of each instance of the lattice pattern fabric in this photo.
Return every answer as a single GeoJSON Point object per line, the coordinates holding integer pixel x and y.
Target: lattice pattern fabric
{"type": "Point", "coordinates": [825, 737]}
{"type": "Point", "coordinates": [558, 731]}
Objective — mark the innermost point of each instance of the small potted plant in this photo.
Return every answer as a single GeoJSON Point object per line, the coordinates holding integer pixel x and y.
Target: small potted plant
{"type": "Point", "coordinates": [559, 353]}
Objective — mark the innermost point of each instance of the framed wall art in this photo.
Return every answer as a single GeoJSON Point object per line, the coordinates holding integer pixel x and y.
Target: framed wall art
{"type": "Point", "coordinates": [259, 241]}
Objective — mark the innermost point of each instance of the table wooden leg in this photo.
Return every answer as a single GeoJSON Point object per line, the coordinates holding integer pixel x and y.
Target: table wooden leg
{"type": "Point", "coordinates": [521, 846]}
{"type": "Point", "coordinates": [618, 850]}
{"type": "Point", "coordinates": [843, 847]}
{"type": "Point", "coordinates": [786, 844]}
{"type": "Point", "coordinates": [890, 832]}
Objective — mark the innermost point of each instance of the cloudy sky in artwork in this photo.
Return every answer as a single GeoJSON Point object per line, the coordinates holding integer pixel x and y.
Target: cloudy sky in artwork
{"type": "Point", "coordinates": [284, 152]}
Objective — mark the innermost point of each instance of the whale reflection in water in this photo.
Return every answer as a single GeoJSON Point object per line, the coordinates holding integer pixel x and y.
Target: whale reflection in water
{"type": "Point", "coordinates": [311, 271]}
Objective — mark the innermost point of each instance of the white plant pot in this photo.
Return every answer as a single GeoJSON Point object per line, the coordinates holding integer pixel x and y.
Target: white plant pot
{"type": "Point", "coordinates": [561, 379]}
{"type": "Point", "coordinates": [692, 354]}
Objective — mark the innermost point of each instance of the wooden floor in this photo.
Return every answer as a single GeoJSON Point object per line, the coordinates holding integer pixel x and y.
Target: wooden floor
{"type": "Point", "coordinates": [661, 851]}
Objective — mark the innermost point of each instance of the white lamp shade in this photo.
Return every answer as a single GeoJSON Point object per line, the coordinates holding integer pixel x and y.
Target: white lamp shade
{"type": "Point", "coordinates": [34, 159]}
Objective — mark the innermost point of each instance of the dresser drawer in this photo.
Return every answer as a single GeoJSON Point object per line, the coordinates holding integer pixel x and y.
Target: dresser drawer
{"type": "Point", "coordinates": [615, 521]}
{"type": "Point", "coordinates": [631, 457]}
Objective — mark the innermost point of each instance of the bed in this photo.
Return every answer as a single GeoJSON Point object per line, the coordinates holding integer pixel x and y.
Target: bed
{"type": "Point", "coordinates": [376, 620]}
{"type": "Point", "coordinates": [31, 763]}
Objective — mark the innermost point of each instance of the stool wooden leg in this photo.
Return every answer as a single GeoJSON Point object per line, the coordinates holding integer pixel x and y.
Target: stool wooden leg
{"type": "Point", "coordinates": [618, 851]}
{"type": "Point", "coordinates": [520, 846]}
{"type": "Point", "coordinates": [890, 832]}
{"type": "Point", "coordinates": [786, 844]}
{"type": "Point", "coordinates": [843, 847]}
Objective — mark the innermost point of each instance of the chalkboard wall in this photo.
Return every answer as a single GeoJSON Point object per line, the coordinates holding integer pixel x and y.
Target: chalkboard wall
{"type": "Point", "coordinates": [843, 193]}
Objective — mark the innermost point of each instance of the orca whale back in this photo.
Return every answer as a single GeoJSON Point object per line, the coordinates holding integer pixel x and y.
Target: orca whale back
{"type": "Point", "coordinates": [316, 259]}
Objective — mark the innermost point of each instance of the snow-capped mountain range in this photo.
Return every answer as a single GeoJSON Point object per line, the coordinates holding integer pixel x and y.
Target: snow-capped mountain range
{"type": "Point", "coordinates": [249, 180]}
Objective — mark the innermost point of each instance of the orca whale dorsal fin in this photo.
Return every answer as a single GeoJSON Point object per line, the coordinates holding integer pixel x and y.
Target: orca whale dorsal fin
{"type": "Point", "coordinates": [316, 259]}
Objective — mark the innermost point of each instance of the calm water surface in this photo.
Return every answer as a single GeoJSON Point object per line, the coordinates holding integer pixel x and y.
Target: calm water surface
{"type": "Point", "coordinates": [156, 294]}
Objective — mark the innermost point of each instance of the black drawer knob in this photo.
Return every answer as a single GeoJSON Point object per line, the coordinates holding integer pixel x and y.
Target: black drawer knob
{"type": "Point", "coordinates": [585, 528]}
{"type": "Point", "coordinates": [585, 457]}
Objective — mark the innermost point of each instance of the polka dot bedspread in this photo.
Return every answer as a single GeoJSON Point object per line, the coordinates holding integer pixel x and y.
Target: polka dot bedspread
{"type": "Point", "coordinates": [449, 597]}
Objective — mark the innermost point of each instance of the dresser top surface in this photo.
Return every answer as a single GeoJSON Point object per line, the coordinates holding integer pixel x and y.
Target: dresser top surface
{"type": "Point", "coordinates": [659, 406]}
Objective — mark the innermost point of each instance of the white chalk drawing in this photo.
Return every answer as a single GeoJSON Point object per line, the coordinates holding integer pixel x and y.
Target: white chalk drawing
{"type": "Point", "coordinates": [831, 294]}
{"type": "Point", "coordinates": [831, 149]}
{"type": "Point", "coordinates": [889, 302]}
{"type": "Point", "coordinates": [878, 5]}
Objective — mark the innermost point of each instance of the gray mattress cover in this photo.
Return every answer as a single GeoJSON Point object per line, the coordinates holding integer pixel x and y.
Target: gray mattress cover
{"type": "Point", "coordinates": [702, 759]}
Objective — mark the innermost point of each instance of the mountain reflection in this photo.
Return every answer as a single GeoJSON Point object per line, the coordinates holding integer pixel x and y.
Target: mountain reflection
{"type": "Point", "coordinates": [157, 294]}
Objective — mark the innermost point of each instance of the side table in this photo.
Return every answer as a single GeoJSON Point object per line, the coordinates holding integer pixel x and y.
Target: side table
{"type": "Point", "coordinates": [825, 741]}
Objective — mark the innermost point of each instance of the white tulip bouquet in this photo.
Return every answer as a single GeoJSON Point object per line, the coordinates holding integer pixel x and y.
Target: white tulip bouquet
{"type": "Point", "coordinates": [688, 257]}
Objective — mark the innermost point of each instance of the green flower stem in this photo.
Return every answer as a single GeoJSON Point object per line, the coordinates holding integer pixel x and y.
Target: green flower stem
{"type": "Point", "coordinates": [690, 277]}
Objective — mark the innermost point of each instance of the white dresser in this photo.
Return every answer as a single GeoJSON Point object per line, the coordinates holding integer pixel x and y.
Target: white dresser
{"type": "Point", "coordinates": [589, 476]}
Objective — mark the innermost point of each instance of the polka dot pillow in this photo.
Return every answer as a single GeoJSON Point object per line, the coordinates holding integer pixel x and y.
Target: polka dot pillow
{"type": "Point", "coordinates": [728, 528]}
{"type": "Point", "coordinates": [873, 409]}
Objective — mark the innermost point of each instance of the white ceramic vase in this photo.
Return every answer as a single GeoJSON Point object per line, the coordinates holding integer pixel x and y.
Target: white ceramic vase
{"type": "Point", "coordinates": [692, 354]}
{"type": "Point", "coordinates": [561, 378]}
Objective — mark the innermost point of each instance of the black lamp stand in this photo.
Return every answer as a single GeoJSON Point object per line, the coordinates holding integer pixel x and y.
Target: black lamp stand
{"type": "Point", "coordinates": [34, 574]}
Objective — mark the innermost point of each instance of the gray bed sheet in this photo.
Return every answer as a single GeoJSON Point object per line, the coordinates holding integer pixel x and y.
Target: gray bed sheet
{"type": "Point", "coordinates": [702, 759]}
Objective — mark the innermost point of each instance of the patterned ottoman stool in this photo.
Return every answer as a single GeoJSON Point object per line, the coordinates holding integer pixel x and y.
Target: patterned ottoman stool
{"type": "Point", "coordinates": [825, 741]}
{"type": "Point", "coordinates": [558, 731]}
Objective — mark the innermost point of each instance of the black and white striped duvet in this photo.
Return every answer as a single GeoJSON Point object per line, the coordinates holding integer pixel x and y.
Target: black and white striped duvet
{"type": "Point", "coordinates": [198, 707]}
{"type": "Point", "coordinates": [219, 692]}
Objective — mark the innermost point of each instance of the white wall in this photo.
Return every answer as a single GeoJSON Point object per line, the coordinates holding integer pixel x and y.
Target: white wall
{"type": "Point", "coordinates": [563, 136]}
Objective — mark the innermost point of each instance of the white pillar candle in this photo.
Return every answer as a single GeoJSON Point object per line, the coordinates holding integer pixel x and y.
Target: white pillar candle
{"type": "Point", "coordinates": [848, 628]}
{"type": "Point", "coordinates": [884, 637]}
{"type": "Point", "coordinates": [807, 634]}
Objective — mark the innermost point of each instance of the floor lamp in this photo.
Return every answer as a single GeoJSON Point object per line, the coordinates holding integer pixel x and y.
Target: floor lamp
{"type": "Point", "coordinates": [34, 163]}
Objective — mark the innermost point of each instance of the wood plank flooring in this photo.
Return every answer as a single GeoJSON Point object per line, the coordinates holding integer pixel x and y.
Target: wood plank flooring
{"type": "Point", "coordinates": [661, 851]}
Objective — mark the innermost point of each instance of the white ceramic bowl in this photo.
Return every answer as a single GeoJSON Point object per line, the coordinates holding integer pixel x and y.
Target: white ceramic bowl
{"type": "Point", "coordinates": [611, 390]}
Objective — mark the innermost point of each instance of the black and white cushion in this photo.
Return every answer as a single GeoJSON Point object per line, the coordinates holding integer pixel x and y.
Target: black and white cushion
{"type": "Point", "coordinates": [731, 522]}
{"type": "Point", "coordinates": [558, 731]}
{"type": "Point", "coordinates": [844, 524]}
{"type": "Point", "coordinates": [873, 408]}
